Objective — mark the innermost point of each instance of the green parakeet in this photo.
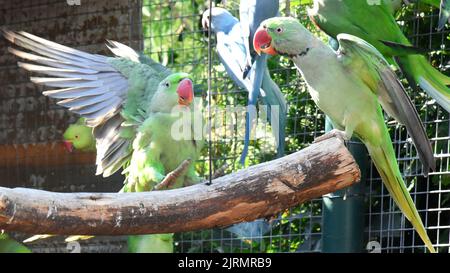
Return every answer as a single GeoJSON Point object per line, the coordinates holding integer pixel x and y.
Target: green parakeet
{"type": "Point", "coordinates": [8, 245]}
{"type": "Point", "coordinates": [349, 85]}
{"type": "Point", "coordinates": [132, 105]}
{"type": "Point", "coordinates": [375, 24]}
{"type": "Point", "coordinates": [79, 136]}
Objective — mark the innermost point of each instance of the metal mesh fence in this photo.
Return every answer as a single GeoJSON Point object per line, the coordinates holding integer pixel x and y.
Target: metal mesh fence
{"type": "Point", "coordinates": [170, 32]}
{"type": "Point", "coordinates": [300, 229]}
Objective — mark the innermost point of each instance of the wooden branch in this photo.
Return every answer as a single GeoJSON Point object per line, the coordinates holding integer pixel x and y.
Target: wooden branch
{"type": "Point", "coordinates": [259, 191]}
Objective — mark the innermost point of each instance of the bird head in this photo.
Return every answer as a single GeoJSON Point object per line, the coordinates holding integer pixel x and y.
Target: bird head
{"type": "Point", "coordinates": [175, 90]}
{"type": "Point", "coordinates": [78, 136]}
{"type": "Point", "coordinates": [221, 20]}
{"type": "Point", "coordinates": [280, 35]}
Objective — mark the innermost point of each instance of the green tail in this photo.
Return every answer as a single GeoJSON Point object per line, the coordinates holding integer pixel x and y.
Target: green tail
{"type": "Point", "coordinates": [8, 245]}
{"type": "Point", "coordinates": [384, 158]}
{"type": "Point", "coordinates": [419, 72]}
{"type": "Point", "coordinates": [154, 243]}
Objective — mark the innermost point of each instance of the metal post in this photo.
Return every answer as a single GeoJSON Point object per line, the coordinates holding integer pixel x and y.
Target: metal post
{"type": "Point", "coordinates": [343, 210]}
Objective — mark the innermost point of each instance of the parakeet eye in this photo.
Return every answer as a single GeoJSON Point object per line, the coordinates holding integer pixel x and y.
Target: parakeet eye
{"type": "Point", "coordinates": [279, 30]}
{"type": "Point", "coordinates": [167, 84]}
{"type": "Point", "coordinates": [76, 136]}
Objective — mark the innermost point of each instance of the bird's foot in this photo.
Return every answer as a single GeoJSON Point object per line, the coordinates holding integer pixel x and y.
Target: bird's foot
{"type": "Point", "coordinates": [333, 133]}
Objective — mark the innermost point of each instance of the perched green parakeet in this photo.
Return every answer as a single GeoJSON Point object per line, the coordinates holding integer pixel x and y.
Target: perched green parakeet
{"type": "Point", "coordinates": [375, 24]}
{"type": "Point", "coordinates": [348, 85]}
{"type": "Point", "coordinates": [8, 245]}
{"type": "Point", "coordinates": [79, 136]}
{"type": "Point", "coordinates": [133, 106]}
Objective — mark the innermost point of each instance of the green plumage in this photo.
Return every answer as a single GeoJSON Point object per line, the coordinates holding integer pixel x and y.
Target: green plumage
{"type": "Point", "coordinates": [376, 25]}
{"type": "Point", "coordinates": [157, 243]}
{"type": "Point", "coordinates": [155, 153]}
{"type": "Point", "coordinates": [154, 150]}
{"type": "Point", "coordinates": [8, 245]}
{"type": "Point", "coordinates": [129, 103]}
{"type": "Point", "coordinates": [80, 135]}
{"type": "Point", "coordinates": [349, 85]}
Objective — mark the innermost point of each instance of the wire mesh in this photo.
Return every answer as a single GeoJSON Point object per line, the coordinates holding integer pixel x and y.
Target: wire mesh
{"type": "Point", "coordinates": [171, 33]}
{"type": "Point", "coordinates": [385, 223]}
{"type": "Point", "coordinates": [294, 230]}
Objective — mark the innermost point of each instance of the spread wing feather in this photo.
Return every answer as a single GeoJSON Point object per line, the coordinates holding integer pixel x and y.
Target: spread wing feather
{"type": "Point", "coordinates": [91, 86]}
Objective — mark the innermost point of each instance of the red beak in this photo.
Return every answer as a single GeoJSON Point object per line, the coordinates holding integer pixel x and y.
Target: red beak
{"type": "Point", "coordinates": [68, 145]}
{"type": "Point", "coordinates": [262, 42]}
{"type": "Point", "coordinates": [185, 92]}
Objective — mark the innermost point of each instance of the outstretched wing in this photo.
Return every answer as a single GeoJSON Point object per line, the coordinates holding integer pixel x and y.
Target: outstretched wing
{"type": "Point", "coordinates": [91, 85]}
{"type": "Point", "coordinates": [85, 83]}
{"type": "Point", "coordinates": [363, 59]}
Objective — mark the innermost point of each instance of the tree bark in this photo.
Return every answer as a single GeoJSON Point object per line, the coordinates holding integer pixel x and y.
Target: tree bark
{"type": "Point", "coordinates": [260, 191]}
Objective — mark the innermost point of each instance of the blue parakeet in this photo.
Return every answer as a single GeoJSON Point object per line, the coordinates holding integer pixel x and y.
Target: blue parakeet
{"type": "Point", "coordinates": [233, 38]}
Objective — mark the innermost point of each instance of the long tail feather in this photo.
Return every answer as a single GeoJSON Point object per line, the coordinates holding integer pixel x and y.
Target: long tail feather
{"type": "Point", "coordinates": [276, 104]}
{"type": "Point", "coordinates": [277, 116]}
{"type": "Point", "coordinates": [383, 157]}
{"type": "Point", "coordinates": [256, 79]}
{"type": "Point", "coordinates": [417, 69]}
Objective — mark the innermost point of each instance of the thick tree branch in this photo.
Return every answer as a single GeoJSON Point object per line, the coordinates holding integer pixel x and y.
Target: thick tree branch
{"type": "Point", "coordinates": [259, 191]}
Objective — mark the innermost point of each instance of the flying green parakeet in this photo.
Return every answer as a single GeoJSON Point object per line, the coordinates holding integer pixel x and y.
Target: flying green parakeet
{"type": "Point", "coordinates": [376, 24]}
{"type": "Point", "coordinates": [348, 85]}
{"type": "Point", "coordinates": [132, 105]}
{"type": "Point", "coordinates": [8, 245]}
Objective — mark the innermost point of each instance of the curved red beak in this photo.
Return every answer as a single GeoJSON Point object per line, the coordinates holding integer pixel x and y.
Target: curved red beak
{"type": "Point", "coordinates": [68, 145]}
{"type": "Point", "coordinates": [262, 42]}
{"type": "Point", "coordinates": [185, 92]}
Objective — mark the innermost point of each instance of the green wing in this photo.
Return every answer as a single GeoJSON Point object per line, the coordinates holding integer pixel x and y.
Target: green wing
{"type": "Point", "coordinates": [111, 93]}
{"type": "Point", "coordinates": [364, 61]}
{"type": "Point", "coordinates": [367, 63]}
{"type": "Point", "coordinates": [335, 17]}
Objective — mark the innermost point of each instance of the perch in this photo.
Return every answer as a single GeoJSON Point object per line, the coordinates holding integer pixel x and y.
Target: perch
{"type": "Point", "coordinates": [260, 191]}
